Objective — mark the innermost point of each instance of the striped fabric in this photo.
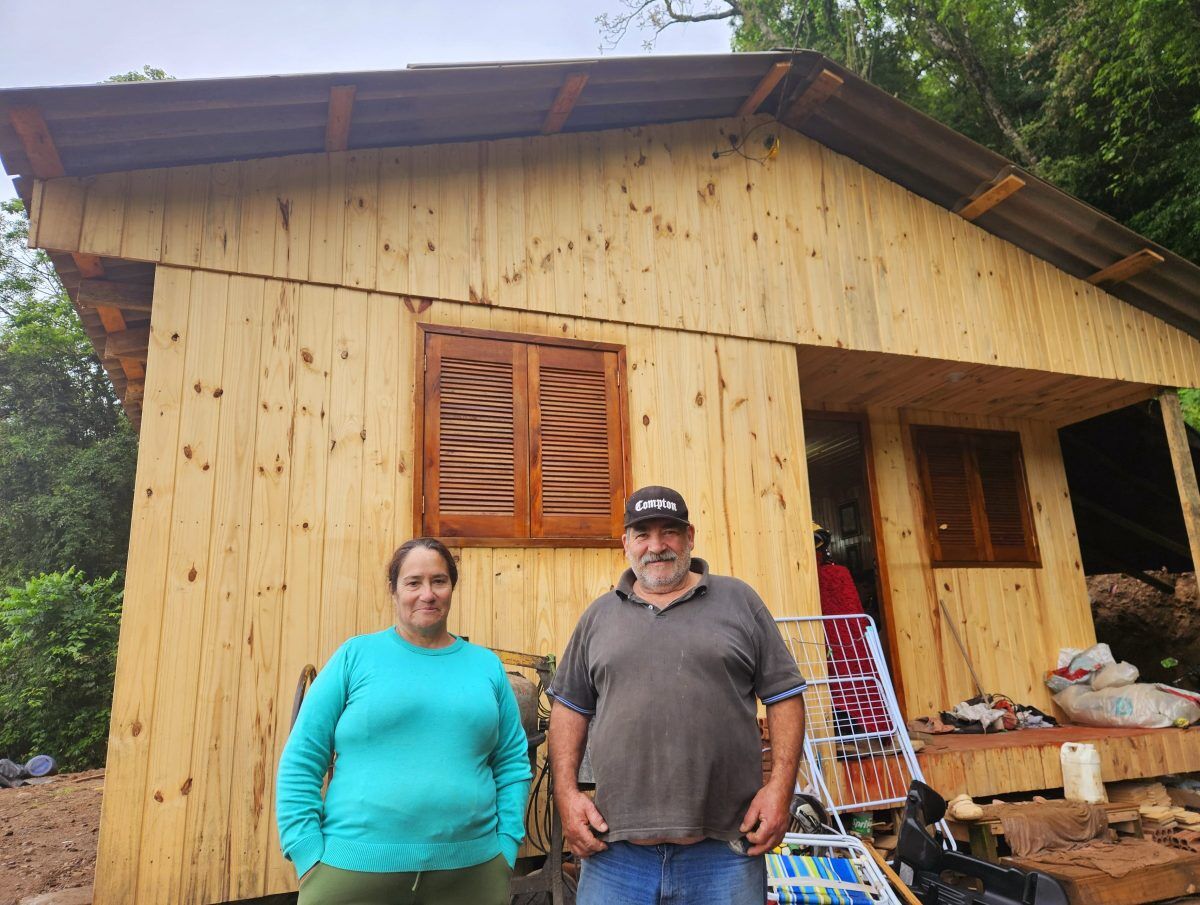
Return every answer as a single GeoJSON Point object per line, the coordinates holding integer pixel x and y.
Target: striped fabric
{"type": "Point", "coordinates": [837, 882]}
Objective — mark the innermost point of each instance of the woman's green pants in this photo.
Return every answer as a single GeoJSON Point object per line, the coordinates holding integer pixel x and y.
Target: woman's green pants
{"type": "Point", "coordinates": [483, 884]}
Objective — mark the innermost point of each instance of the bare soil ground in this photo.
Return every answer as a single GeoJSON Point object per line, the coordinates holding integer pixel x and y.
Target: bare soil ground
{"type": "Point", "coordinates": [1144, 625]}
{"type": "Point", "coordinates": [48, 835]}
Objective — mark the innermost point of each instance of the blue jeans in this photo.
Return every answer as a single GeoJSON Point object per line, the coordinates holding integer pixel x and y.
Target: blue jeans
{"type": "Point", "coordinates": [707, 873]}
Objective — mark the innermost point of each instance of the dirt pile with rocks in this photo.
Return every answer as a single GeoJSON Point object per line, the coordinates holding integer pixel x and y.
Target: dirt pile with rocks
{"type": "Point", "coordinates": [48, 835]}
{"type": "Point", "coordinates": [1145, 626]}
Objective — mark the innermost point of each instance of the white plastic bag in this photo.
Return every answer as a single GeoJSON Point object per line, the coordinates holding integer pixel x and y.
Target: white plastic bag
{"type": "Point", "coordinates": [1078, 667]}
{"type": "Point", "coordinates": [1139, 705]}
{"type": "Point", "coordinates": [1115, 675]}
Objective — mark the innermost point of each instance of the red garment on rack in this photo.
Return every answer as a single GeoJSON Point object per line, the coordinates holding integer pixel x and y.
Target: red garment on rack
{"type": "Point", "coordinates": [849, 655]}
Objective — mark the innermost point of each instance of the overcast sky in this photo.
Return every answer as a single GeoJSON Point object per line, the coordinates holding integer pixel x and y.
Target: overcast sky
{"type": "Point", "coordinates": [65, 42]}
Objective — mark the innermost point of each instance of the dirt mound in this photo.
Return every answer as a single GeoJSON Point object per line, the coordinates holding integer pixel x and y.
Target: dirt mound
{"type": "Point", "coordinates": [48, 835]}
{"type": "Point", "coordinates": [1144, 625]}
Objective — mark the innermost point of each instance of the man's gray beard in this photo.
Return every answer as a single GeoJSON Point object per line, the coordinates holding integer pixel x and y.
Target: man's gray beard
{"type": "Point", "coordinates": [683, 564]}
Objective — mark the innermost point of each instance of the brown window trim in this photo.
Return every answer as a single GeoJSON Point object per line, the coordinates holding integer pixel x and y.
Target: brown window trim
{"type": "Point", "coordinates": [528, 339]}
{"type": "Point", "coordinates": [1032, 560]}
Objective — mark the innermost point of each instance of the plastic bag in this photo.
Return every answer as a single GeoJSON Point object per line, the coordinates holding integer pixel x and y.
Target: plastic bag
{"type": "Point", "coordinates": [1114, 675]}
{"type": "Point", "coordinates": [1139, 705]}
{"type": "Point", "coordinates": [1076, 667]}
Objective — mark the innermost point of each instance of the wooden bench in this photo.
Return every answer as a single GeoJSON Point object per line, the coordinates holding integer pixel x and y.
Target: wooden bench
{"type": "Point", "coordinates": [983, 835]}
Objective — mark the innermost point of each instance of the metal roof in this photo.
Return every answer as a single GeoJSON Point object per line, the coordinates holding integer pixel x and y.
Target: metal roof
{"type": "Point", "coordinates": [109, 127]}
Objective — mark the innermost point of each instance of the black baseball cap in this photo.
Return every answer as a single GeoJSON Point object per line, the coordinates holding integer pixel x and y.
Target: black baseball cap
{"type": "Point", "coordinates": [655, 502]}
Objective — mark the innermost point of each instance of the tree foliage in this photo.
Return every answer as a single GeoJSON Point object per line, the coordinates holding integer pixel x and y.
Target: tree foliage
{"type": "Point", "coordinates": [1189, 401]}
{"type": "Point", "coordinates": [67, 452]}
{"type": "Point", "coordinates": [147, 74]}
{"type": "Point", "coordinates": [58, 643]}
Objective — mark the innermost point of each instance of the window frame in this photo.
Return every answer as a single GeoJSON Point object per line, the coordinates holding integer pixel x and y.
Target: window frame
{"type": "Point", "coordinates": [970, 437]}
{"type": "Point", "coordinates": [528, 339]}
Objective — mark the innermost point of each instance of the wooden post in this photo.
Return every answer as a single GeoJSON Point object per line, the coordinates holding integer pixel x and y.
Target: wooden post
{"type": "Point", "coordinates": [1185, 472]}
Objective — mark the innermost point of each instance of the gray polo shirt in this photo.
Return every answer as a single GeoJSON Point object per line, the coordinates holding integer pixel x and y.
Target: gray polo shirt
{"type": "Point", "coordinates": [675, 746]}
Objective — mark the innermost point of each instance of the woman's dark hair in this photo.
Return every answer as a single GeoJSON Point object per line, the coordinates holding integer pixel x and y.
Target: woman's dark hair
{"type": "Point", "coordinates": [427, 543]}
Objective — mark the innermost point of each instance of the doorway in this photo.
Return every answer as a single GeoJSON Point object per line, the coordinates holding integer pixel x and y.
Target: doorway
{"type": "Point", "coordinates": [836, 447]}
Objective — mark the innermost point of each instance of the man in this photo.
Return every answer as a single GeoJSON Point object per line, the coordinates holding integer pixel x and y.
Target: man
{"type": "Point", "coordinates": [662, 672]}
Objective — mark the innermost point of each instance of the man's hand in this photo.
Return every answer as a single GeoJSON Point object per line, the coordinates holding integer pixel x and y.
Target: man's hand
{"type": "Point", "coordinates": [579, 818]}
{"type": "Point", "coordinates": [767, 819]}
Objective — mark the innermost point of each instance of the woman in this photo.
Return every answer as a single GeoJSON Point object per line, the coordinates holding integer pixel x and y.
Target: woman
{"type": "Point", "coordinates": [427, 802]}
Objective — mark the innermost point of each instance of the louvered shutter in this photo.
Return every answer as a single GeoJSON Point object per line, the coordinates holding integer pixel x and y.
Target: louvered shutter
{"type": "Point", "coordinates": [1002, 481]}
{"type": "Point", "coordinates": [476, 444]}
{"type": "Point", "coordinates": [954, 532]}
{"type": "Point", "coordinates": [576, 451]}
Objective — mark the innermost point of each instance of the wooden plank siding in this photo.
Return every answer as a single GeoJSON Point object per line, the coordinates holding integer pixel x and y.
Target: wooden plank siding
{"type": "Point", "coordinates": [274, 482]}
{"type": "Point", "coordinates": [1011, 620]}
{"type": "Point", "coordinates": [633, 226]}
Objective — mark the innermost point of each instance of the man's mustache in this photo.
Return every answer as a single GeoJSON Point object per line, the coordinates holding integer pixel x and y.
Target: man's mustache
{"type": "Point", "coordinates": [665, 556]}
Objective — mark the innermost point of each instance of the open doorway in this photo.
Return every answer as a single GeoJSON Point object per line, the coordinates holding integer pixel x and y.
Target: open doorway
{"type": "Point", "coordinates": [839, 484]}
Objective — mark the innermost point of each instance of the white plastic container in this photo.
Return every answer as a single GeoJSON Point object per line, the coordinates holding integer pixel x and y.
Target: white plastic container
{"type": "Point", "coordinates": [1081, 773]}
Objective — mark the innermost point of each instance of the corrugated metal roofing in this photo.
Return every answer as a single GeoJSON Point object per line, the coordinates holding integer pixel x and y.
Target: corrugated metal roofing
{"type": "Point", "coordinates": [108, 127]}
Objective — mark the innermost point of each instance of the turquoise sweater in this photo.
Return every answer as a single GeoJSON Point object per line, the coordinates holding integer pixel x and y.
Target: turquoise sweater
{"type": "Point", "coordinates": [432, 766]}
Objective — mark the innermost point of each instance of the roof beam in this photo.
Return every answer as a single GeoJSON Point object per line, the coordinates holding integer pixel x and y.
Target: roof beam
{"type": "Point", "coordinates": [1185, 471]}
{"type": "Point", "coordinates": [1005, 184]}
{"type": "Point", "coordinates": [35, 138]}
{"type": "Point", "coordinates": [132, 343]}
{"type": "Point", "coordinates": [116, 294]}
{"type": "Point", "coordinates": [564, 103]}
{"type": "Point", "coordinates": [818, 91]}
{"type": "Point", "coordinates": [765, 86]}
{"type": "Point", "coordinates": [1129, 266]}
{"type": "Point", "coordinates": [341, 110]}
{"type": "Point", "coordinates": [90, 266]}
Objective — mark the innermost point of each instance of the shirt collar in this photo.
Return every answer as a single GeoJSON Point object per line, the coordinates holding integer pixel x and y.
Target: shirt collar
{"type": "Point", "coordinates": [625, 590]}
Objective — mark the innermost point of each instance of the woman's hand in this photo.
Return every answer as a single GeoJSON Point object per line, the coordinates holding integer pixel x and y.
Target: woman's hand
{"type": "Point", "coordinates": [581, 822]}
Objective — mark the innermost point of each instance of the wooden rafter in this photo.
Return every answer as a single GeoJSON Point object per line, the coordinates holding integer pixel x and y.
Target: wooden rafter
{"type": "Point", "coordinates": [819, 90]}
{"type": "Point", "coordinates": [341, 111]}
{"type": "Point", "coordinates": [1005, 184]}
{"type": "Point", "coordinates": [116, 294]}
{"type": "Point", "coordinates": [89, 266]}
{"type": "Point", "coordinates": [765, 86]}
{"type": "Point", "coordinates": [564, 103]}
{"type": "Point", "coordinates": [1129, 266]}
{"type": "Point", "coordinates": [35, 138]}
{"type": "Point", "coordinates": [131, 343]}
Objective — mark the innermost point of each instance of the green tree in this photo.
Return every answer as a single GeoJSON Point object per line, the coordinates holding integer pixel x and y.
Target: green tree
{"type": "Point", "coordinates": [148, 74]}
{"type": "Point", "coordinates": [67, 452]}
{"type": "Point", "coordinates": [1120, 125]}
{"type": "Point", "coordinates": [58, 644]}
{"type": "Point", "coordinates": [1189, 401]}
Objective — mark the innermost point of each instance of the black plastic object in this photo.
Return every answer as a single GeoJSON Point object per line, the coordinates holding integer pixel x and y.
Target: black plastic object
{"type": "Point", "coordinates": [920, 851]}
{"type": "Point", "coordinates": [808, 815]}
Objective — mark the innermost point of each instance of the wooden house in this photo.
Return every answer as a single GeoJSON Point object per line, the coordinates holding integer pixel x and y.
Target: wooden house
{"type": "Point", "coordinates": [485, 301]}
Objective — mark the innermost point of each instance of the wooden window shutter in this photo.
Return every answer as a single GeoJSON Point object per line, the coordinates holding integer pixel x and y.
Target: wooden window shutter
{"type": "Point", "coordinates": [946, 479]}
{"type": "Point", "coordinates": [976, 499]}
{"type": "Point", "coordinates": [1005, 498]}
{"type": "Point", "coordinates": [476, 443]}
{"type": "Point", "coordinates": [576, 443]}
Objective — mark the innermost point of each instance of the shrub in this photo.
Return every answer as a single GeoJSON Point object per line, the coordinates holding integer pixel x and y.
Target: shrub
{"type": "Point", "coordinates": [58, 647]}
